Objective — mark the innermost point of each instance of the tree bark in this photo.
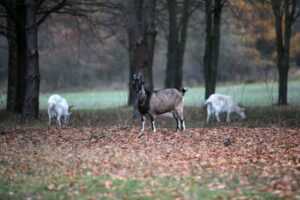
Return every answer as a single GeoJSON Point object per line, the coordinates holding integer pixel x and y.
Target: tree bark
{"type": "Point", "coordinates": [213, 10]}
{"type": "Point", "coordinates": [172, 55]}
{"type": "Point", "coordinates": [31, 103]}
{"type": "Point", "coordinates": [149, 36]}
{"type": "Point", "coordinates": [17, 55]}
{"type": "Point", "coordinates": [284, 13]}
{"type": "Point", "coordinates": [208, 71]}
{"type": "Point", "coordinates": [182, 43]}
{"type": "Point", "coordinates": [12, 85]}
{"type": "Point", "coordinates": [176, 44]}
{"type": "Point", "coordinates": [136, 45]}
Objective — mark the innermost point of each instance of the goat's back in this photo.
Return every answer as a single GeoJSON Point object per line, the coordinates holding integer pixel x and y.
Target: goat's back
{"type": "Point", "coordinates": [58, 103]}
{"type": "Point", "coordinates": [54, 98]}
{"type": "Point", "coordinates": [165, 100]}
{"type": "Point", "coordinates": [222, 102]}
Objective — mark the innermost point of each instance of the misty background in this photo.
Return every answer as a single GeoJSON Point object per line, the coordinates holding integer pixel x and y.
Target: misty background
{"type": "Point", "coordinates": [81, 54]}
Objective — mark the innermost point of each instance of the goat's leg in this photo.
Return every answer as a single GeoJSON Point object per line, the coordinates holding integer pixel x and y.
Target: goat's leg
{"type": "Point", "coordinates": [175, 115]}
{"type": "Point", "coordinates": [207, 118]}
{"type": "Point", "coordinates": [143, 123]}
{"type": "Point", "coordinates": [209, 112]}
{"type": "Point", "coordinates": [217, 116]}
{"type": "Point", "coordinates": [176, 118]}
{"type": "Point", "coordinates": [58, 121]}
{"type": "Point", "coordinates": [182, 124]}
{"type": "Point", "coordinates": [152, 117]}
{"type": "Point", "coordinates": [49, 122]}
{"type": "Point", "coordinates": [181, 118]}
{"type": "Point", "coordinates": [49, 116]}
{"type": "Point", "coordinates": [228, 117]}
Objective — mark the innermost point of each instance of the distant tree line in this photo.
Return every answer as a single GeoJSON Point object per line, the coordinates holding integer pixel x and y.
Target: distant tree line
{"type": "Point", "coordinates": [143, 19]}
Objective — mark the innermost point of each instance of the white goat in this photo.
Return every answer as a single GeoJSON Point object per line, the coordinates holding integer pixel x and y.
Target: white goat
{"type": "Point", "coordinates": [58, 107]}
{"type": "Point", "coordinates": [218, 103]}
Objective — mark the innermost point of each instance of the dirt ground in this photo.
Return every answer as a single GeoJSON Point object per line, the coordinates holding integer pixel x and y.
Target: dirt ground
{"type": "Point", "coordinates": [117, 151]}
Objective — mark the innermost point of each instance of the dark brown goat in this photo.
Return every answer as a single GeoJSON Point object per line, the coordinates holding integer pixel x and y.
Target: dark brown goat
{"type": "Point", "coordinates": [156, 102]}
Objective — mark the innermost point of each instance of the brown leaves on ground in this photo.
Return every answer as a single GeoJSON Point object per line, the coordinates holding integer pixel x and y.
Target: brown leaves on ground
{"type": "Point", "coordinates": [119, 152]}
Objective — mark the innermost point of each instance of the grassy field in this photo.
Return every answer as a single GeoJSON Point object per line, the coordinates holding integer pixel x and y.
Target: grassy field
{"type": "Point", "coordinates": [256, 94]}
{"type": "Point", "coordinates": [99, 156]}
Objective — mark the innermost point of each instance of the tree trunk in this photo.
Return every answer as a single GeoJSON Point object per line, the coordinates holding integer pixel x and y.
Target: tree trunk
{"type": "Point", "coordinates": [149, 36]}
{"type": "Point", "coordinates": [31, 104]}
{"type": "Point", "coordinates": [182, 42]}
{"type": "Point", "coordinates": [212, 44]}
{"type": "Point", "coordinates": [17, 56]}
{"type": "Point", "coordinates": [208, 73]}
{"type": "Point", "coordinates": [172, 55]}
{"type": "Point", "coordinates": [131, 95]}
{"type": "Point", "coordinates": [12, 85]}
{"type": "Point", "coordinates": [136, 44]}
{"type": "Point", "coordinates": [284, 12]}
{"type": "Point", "coordinates": [176, 44]}
{"type": "Point", "coordinates": [136, 47]}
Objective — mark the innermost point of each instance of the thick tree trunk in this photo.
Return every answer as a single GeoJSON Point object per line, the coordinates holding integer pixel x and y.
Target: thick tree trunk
{"type": "Point", "coordinates": [136, 44]}
{"type": "Point", "coordinates": [176, 44]}
{"type": "Point", "coordinates": [149, 36]}
{"type": "Point", "coordinates": [213, 10]}
{"type": "Point", "coordinates": [172, 55]}
{"type": "Point", "coordinates": [17, 56]}
{"type": "Point", "coordinates": [12, 85]}
{"type": "Point", "coordinates": [132, 70]}
{"type": "Point", "coordinates": [282, 88]}
{"type": "Point", "coordinates": [31, 104]}
{"type": "Point", "coordinates": [284, 12]}
{"type": "Point", "coordinates": [182, 42]}
{"type": "Point", "coordinates": [208, 71]}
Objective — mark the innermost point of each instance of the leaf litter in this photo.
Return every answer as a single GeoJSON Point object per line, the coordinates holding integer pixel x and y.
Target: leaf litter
{"type": "Point", "coordinates": [119, 152]}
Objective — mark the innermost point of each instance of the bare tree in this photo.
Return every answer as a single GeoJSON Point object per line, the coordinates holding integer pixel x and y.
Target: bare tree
{"type": "Point", "coordinates": [213, 10]}
{"type": "Point", "coordinates": [176, 42]}
{"type": "Point", "coordinates": [149, 35]}
{"type": "Point", "coordinates": [31, 99]}
{"type": "Point", "coordinates": [285, 15]}
{"type": "Point", "coordinates": [18, 33]}
{"type": "Point", "coordinates": [15, 31]}
{"type": "Point", "coordinates": [136, 47]}
{"type": "Point", "coordinates": [141, 34]}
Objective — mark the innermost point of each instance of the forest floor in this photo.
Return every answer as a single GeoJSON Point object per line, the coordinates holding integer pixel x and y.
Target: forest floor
{"type": "Point", "coordinates": [92, 162]}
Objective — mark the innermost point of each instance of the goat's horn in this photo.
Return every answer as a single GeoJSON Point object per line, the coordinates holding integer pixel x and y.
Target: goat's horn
{"type": "Point", "coordinates": [70, 107]}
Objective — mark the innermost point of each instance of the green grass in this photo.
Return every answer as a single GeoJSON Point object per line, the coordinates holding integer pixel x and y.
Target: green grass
{"type": "Point", "coordinates": [90, 187]}
{"type": "Point", "coordinates": [257, 94]}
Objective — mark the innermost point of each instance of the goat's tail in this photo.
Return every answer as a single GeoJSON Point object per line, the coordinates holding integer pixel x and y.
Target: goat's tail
{"type": "Point", "coordinates": [183, 90]}
{"type": "Point", "coordinates": [207, 102]}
